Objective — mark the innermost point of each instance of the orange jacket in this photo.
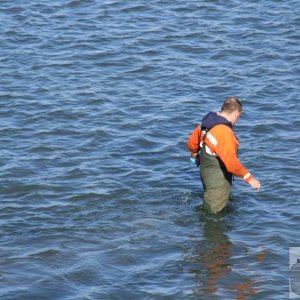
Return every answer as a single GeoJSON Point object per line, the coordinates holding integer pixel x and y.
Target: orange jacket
{"type": "Point", "coordinates": [222, 143]}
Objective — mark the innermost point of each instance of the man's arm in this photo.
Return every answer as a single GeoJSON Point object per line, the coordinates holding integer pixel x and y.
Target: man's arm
{"type": "Point", "coordinates": [226, 149]}
{"type": "Point", "coordinates": [193, 142]}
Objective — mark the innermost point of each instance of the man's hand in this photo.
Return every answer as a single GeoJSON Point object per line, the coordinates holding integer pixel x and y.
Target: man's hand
{"type": "Point", "coordinates": [255, 184]}
{"type": "Point", "coordinates": [195, 158]}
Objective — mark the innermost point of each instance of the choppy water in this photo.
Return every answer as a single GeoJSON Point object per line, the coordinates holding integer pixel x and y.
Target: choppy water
{"type": "Point", "coordinates": [98, 197]}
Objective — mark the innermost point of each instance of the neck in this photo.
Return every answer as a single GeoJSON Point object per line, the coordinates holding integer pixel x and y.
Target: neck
{"type": "Point", "coordinates": [226, 115]}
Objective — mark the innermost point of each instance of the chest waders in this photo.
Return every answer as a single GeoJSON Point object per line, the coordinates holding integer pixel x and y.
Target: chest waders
{"type": "Point", "coordinates": [216, 181]}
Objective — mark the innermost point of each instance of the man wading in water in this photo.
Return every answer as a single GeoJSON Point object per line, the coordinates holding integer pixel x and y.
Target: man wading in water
{"type": "Point", "coordinates": [218, 158]}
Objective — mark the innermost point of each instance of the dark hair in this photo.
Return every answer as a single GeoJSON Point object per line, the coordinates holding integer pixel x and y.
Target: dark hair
{"type": "Point", "coordinates": [232, 104]}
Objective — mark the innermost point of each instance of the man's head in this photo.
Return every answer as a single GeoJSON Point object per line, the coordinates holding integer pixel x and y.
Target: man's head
{"type": "Point", "coordinates": [232, 109]}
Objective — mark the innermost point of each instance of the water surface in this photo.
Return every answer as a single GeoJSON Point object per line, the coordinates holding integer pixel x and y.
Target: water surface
{"type": "Point", "coordinates": [98, 197]}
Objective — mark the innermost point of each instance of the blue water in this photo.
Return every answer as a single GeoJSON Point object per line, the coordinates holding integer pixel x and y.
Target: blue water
{"type": "Point", "coordinates": [98, 197]}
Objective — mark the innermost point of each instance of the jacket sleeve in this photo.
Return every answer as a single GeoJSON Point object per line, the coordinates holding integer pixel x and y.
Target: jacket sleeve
{"type": "Point", "coordinates": [194, 140]}
{"type": "Point", "coordinates": [227, 149]}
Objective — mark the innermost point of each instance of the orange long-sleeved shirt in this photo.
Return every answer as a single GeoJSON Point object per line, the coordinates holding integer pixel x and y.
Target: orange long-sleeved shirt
{"type": "Point", "coordinates": [223, 143]}
{"type": "Point", "coordinates": [194, 140]}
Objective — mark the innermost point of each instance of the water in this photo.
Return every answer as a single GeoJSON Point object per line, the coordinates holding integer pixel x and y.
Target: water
{"type": "Point", "coordinates": [98, 197]}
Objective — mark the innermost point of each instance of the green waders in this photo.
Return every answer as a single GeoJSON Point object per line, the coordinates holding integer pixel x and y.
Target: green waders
{"type": "Point", "coordinates": [216, 182]}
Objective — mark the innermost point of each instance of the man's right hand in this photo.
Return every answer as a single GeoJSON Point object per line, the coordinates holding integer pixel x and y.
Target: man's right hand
{"type": "Point", "coordinates": [255, 184]}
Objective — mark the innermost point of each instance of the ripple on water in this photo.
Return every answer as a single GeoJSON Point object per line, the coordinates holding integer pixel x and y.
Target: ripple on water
{"type": "Point", "coordinates": [98, 197]}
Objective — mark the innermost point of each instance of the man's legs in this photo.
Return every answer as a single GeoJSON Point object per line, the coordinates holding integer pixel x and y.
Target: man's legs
{"type": "Point", "coordinates": [216, 198]}
{"type": "Point", "coordinates": [216, 183]}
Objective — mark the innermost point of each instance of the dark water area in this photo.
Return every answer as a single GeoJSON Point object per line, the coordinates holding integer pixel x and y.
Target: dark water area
{"type": "Point", "coordinates": [98, 197]}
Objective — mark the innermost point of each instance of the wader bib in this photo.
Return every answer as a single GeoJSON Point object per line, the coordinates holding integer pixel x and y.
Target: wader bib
{"type": "Point", "coordinates": [216, 181]}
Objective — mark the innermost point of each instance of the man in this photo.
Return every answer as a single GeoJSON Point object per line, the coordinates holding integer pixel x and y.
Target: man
{"type": "Point", "coordinates": [218, 156]}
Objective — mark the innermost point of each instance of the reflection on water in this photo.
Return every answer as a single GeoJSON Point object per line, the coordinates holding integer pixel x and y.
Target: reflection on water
{"type": "Point", "coordinates": [211, 261]}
